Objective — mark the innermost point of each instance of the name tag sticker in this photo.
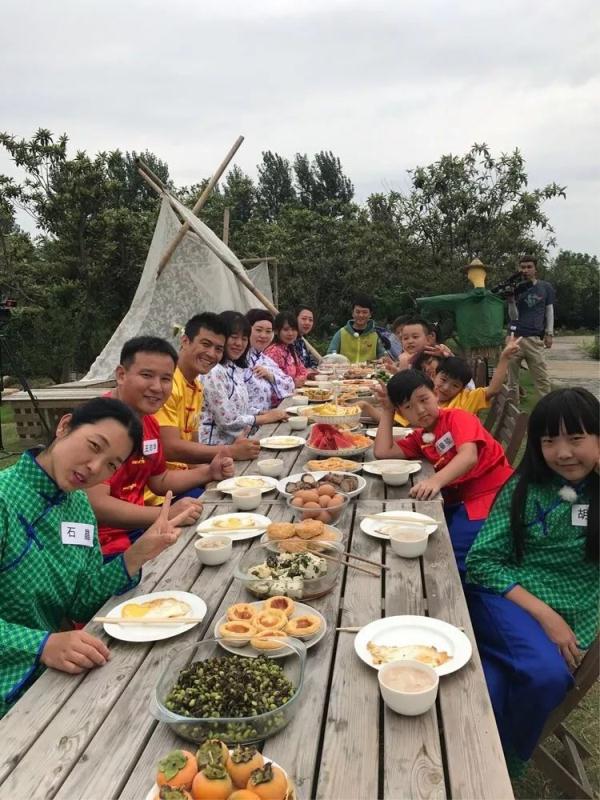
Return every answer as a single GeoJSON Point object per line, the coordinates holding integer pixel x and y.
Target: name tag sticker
{"type": "Point", "coordinates": [444, 443]}
{"type": "Point", "coordinates": [150, 447]}
{"type": "Point", "coordinates": [579, 515]}
{"type": "Point", "coordinates": [77, 533]}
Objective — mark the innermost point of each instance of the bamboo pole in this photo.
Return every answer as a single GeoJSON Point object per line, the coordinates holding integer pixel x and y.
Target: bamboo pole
{"type": "Point", "coordinates": [177, 239]}
{"type": "Point", "coordinates": [276, 283]}
{"type": "Point", "coordinates": [226, 226]}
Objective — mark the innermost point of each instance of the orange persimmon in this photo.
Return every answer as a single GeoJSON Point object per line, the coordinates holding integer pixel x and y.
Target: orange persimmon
{"type": "Point", "coordinates": [212, 783]}
{"type": "Point", "coordinates": [269, 783]}
{"type": "Point", "coordinates": [241, 764]}
{"type": "Point", "coordinates": [178, 769]}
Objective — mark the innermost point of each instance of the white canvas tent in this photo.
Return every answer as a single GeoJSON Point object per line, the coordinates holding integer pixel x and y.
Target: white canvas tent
{"type": "Point", "coordinates": [195, 279]}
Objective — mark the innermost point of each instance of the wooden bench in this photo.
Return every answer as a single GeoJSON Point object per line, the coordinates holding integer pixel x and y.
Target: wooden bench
{"type": "Point", "coordinates": [571, 779]}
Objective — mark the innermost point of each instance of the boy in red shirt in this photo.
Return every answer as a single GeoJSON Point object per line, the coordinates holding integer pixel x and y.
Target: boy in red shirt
{"type": "Point", "coordinates": [144, 381]}
{"type": "Point", "coordinates": [470, 465]}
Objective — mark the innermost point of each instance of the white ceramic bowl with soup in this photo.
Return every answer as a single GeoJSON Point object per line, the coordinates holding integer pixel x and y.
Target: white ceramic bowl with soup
{"type": "Point", "coordinates": [272, 467]}
{"type": "Point", "coordinates": [246, 499]}
{"type": "Point", "coordinates": [408, 687]}
{"type": "Point", "coordinates": [408, 541]}
{"type": "Point", "coordinates": [298, 423]}
{"type": "Point", "coordinates": [299, 400]}
{"type": "Point", "coordinates": [213, 550]}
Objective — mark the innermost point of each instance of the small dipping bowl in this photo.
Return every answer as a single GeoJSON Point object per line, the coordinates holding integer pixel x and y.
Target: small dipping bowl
{"type": "Point", "coordinates": [299, 400]}
{"type": "Point", "coordinates": [246, 499]}
{"type": "Point", "coordinates": [395, 477]}
{"type": "Point", "coordinates": [298, 423]}
{"type": "Point", "coordinates": [272, 467]}
{"type": "Point", "coordinates": [407, 541]}
{"type": "Point", "coordinates": [408, 687]}
{"type": "Point", "coordinates": [213, 550]}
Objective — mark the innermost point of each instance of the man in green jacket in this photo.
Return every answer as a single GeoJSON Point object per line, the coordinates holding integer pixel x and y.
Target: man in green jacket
{"type": "Point", "coordinates": [358, 340]}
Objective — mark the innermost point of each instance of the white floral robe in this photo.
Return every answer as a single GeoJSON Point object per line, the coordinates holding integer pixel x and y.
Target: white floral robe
{"type": "Point", "coordinates": [227, 410]}
{"type": "Point", "coordinates": [264, 395]}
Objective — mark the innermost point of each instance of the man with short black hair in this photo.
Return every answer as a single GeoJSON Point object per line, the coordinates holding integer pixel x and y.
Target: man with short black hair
{"type": "Point", "coordinates": [306, 321]}
{"type": "Point", "coordinates": [358, 340]}
{"type": "Point", "coordinates": [531, 312]}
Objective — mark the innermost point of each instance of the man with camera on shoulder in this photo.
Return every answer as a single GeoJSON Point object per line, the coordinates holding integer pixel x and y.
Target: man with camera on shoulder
{"type": "Point", "coordinates": [531, 315]}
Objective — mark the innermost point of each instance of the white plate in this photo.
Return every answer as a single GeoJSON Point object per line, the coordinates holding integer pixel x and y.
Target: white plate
{"type": "Point", "coordinates": [408, 629]}
{"type": "Point", "coordinates": [261, 525]}
{"type": "Point", "coordinates": [397, 432]}
{"type": "Point", "coordinates": [153, 793]}
{"type": "Point", "coordinates": [231, 484]}
{"type": "Point", "coordinates": [299, 610]}
{"type": "Point", "coordinates": [318, 475]}
{"type": "Point", "coordinates": [342, 453]}
{"type": "Point", "coordinates": [282, 442]}
{"type": "Point", "coordinates": [129, 632]}
{"type": "Point", "coordinates": [378, 467]}
{"type": "Point", "coordinates": [370, 526]}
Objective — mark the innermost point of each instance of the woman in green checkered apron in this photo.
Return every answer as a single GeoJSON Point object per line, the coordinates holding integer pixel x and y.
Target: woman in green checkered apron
{"type": "Point", "coordinates": [532, 571]}
{"type": "Point", "coordinates": [51, 567]}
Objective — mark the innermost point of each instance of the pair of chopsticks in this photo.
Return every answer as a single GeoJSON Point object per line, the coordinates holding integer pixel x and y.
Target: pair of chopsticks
{"type": "Point", "coordinates": [341, 560]}
{"type": "Point", "coordinates": [148, 620]}
{"type": "Point", "coordinates": [406, 520]}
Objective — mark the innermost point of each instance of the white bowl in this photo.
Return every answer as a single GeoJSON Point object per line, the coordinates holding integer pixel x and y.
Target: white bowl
{"type": "Point", "coordinates": [298, 423]}
{"type": "Point", "coordinates": [395, 478]}
{"type": "Point", "coordinates": [213, 550]}
{"type": "Point", "coordinates": [323, 378]}
{"type": "Point", "coordinates": [299, 400]}
{"type": "Point", "coordinates": [246, 499]}
{"type": "Point", "coordinates": [272, 467]}
{"type": "Point", "coordinates": [411, 702]}
{"type": "Point", "coordinates": [407, 541]}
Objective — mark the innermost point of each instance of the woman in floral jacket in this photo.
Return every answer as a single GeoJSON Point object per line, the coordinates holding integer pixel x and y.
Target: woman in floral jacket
{"type": "Point", "coordinates": [268, 385]}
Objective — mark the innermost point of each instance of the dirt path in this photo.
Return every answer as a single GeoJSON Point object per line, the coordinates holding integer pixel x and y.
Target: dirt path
{"type": "Point", "coordinates": [570, 366]}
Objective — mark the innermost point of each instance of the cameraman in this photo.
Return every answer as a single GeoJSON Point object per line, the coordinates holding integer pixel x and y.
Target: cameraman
{"type": "Point", "coordinates": [531, 314]}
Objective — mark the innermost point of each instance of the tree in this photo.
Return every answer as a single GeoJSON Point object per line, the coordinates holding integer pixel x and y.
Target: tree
{"type": "Point", "coordinates": [275, 187]}
{"type": "Point", "coordinates": [322, 185]}
{"type": "Point", "coordinates": [575, 277]}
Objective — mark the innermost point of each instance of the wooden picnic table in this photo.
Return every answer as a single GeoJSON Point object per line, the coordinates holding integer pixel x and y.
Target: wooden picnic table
{"type": "Point", "coordinates": [91, 737]}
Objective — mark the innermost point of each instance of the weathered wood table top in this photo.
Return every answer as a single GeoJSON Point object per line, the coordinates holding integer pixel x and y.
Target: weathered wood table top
{"type": "Point", "coordinates": [91, 737]}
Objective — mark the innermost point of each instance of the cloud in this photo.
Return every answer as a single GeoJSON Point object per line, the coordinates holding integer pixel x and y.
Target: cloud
{"type": "Point", "coordinates": [385, 85]}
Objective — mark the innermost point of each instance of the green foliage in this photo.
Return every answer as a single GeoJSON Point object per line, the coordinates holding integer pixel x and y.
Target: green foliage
{"type": "Point", "coordinates": [575, 277]}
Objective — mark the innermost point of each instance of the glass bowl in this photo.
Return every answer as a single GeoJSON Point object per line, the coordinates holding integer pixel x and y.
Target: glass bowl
{"type": "Point", "coordinates": [317, 581]}
{"type": "Point", "coordinates": [231, 730]}
{"type": "Point", "coordinates": [326, 515]}
{"type": "Point", "coordinates": [332, 535]}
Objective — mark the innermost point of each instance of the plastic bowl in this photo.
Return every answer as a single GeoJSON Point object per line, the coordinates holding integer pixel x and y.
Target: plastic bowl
{"type": "Point", "coordinates": [297, 589]}
{"type": "Point", "coordinates": [326, 515]}
{"type": "Point", "coordinates": [272, 467]}
{"type": "Point", "coordinates": [231, 730]}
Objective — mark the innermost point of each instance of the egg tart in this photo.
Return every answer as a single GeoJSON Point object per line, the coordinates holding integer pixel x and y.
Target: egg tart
{"type": "Point", "coordinates": [269, 640]}
{"type": "Point", "coordinates": [303, 626]}
{"type": "Point", "coordinates": [241, 611]}
{"type": "Point", "coordinates": [237, 632]}
{"type": "Point", "coordinates": [270, 620]}
{"type": "Point", "coordinates": [280, 603]}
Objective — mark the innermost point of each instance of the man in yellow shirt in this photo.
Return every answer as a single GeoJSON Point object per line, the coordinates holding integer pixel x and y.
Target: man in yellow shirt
{"type": "Point", "coordinates": [202, 347]}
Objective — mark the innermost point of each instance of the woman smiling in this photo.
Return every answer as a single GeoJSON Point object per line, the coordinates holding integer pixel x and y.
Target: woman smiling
{"type": "Point", "coordinates": [267, 385]}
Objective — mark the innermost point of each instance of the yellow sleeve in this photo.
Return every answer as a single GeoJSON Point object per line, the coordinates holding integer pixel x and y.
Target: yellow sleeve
{"type": "Point", "coordinates": [474, 400]}
{"type": "Point", "coordinates": [168, 415]}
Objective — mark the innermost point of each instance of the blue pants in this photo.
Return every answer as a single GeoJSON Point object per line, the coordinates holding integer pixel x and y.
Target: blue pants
{"type": "Point", "coordinates": [526, 675]}
{"type": "Point", "coordinates": [462, 533]}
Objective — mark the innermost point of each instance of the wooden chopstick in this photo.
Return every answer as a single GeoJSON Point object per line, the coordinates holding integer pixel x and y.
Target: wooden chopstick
{"type": "Point", "coordinates": [148, 620]}
{"type": "Point", "coordinates": [347, 553]}
{"type": "Point", "coordinates": [349, 630]}
{"type": "Point", "coordinates": [417, 523]}
{"type": "Point", "coordinates": [345, 563]}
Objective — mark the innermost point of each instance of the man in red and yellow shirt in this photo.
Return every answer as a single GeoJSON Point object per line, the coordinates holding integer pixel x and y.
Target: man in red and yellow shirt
{"type": "Point", "coordinates": [144, 381]}
{"type": "Point", "coordinates": [470, 465]}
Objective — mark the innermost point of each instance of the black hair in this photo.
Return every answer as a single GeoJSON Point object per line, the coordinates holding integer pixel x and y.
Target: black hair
{"type": "Point", "coordinates": [401, 385]}
{"type": "Point", "coordinates": [425, 358]}
{"type": "Point", "coordinates": [574, 411]}
{"type": "Point", "coordinates": [399, 322]}
{"type": "Point", "coordinates": [303, 307]}
{"type": "Point", "coordinates": [284, 318]}
{"type": "Point", "coordinates": [528, 259]}
{"type": "Point", "coordinates": [146, 344]}
{"type": "Point", "coordinates": [207, 320]}
{"type": "Point", "coordinates": [363, 300]}
{"type": "Point", "coordinates": [427, 326]}
{"type": "Point", "coordinates": [236, 323]}
{"type": "Point", "coordinates": [456, 369]}
{"type": "Point", "coordinates": [109, 408]}
{"type": "Point", "coordinates": [259, 315]}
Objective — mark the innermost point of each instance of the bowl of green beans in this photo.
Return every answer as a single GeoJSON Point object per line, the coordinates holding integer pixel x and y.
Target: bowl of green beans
{"type": "Point", "coordinates": [205, 692]}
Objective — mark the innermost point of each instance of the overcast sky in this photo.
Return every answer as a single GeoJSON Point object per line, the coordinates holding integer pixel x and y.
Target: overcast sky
{"type": "Point", "coordinates": [385, 84]}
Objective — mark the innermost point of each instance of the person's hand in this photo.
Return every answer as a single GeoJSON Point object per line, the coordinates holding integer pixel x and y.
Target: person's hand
{"type": "Point", "coordinates": [221, 467]}
{"type": "Point", "coordinates": [74, 652]}
{"type": "Point", "coordinates": [189, 508]}
{"type": "Point", "coordinates": [512, 347]}
{"type": "Point", "coordinates": [561, 634]}
{"type": "Point", "coordinates": [438, 350]}
{"type": "Point", "coordinates": [390, 365]}
{"type": "Point", "coordinates": [243, 449]}
{"type": "Point", "coordinates": [274, 415]}
{"type": "Point", "coordinates": [162, 533]}
{"type": "Point", "coordinates": [425, 489]}
{"type": "Point", "coordinates": [382, 396]}
{"type": "Point", "coordinates": [263, 372]}
{"type": "Point", "coordinates": [548, 339]}
{"type": "Point", "coordinates": [299, 382]}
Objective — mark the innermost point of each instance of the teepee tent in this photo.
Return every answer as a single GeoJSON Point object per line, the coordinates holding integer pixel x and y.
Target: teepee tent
{"type": "Point", "coordinates": [194, 280]}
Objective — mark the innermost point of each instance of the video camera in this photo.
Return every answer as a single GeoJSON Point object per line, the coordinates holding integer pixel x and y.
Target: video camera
{"type": "Point", "coordinates": [513, 285]}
